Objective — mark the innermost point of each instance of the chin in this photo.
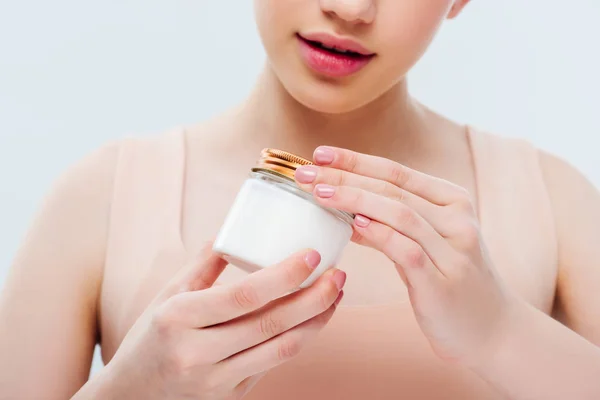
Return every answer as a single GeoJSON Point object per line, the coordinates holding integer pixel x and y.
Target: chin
{"type": "Point", "coordinates": [325, 105]}
{"type": "Point", "coordinates": [326, 97]}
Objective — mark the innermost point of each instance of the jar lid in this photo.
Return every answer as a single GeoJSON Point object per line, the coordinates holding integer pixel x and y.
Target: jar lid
{"type": "Point", "coordinates": [281, 162]}
{"type": "Point", "coordinates": [285, 164]}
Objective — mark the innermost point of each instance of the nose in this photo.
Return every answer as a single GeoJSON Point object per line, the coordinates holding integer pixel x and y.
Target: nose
{"type": "Point", "coordinates": [353, 11]}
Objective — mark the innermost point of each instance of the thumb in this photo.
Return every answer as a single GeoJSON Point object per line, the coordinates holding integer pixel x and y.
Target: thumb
{"type": "Point", "coordinates": [198, 274]}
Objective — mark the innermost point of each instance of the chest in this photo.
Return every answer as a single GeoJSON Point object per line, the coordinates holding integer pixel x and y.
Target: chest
{"type": "Point", "coordinates": [134, 277]}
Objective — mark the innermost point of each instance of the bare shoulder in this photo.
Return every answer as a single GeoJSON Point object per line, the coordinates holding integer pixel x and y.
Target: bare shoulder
{"type": "Point", "coordinates": [78, 201]}
{"type": "Point", "coordinates": [90, 178]}
{"type": "Point", "coordinates": [559, 173]}
{"type": "Point", "coordinates": [67, 235]}
{"type": "Point", "coordinates": [54, 280]}
{"type": "Point", "coordinates": [575, 199]}
{"type": "Point", "coordinates": [576, 207]}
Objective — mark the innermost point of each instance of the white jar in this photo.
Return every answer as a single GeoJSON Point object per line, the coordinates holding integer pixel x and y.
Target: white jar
{"type": "Point", "coordinates": [272, 218]}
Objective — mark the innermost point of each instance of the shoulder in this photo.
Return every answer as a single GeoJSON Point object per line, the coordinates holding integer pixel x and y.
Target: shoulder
{"type": "Point", "coordinates": [564, 180]}
{"type": "Point", "coordinates": [576, 206]}
{"type": "Point", "coordinates": [575, 203]}
{"type": "Point", "coordinates": [85, 184]}
{"type": "Point", "coordinates": [73, 214]}
{"type": "Point", "coordinates": [564, 183]}
{"type": "Point", "coordinates": [134, 159]}
{"type": "Point", "coordinates": [94, 169]}
{"type": "Point", "coordinates": [571, 199]}
{"type": "Point", "coordinates": [65, 240]}
{"type": "Point", "coordinates": [81, 196]}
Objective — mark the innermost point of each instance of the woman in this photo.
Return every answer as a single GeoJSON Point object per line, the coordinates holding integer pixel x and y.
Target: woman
{"type": "Point", "coordinates": [468, 248]}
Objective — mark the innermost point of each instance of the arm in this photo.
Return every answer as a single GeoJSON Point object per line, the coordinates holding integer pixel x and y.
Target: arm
{"type": "Point", "coordinates": [48, 308]}
{"type": "Point", "coordinates": [540, 357]}
{"type": "Point", "coordinates": [428, 227]}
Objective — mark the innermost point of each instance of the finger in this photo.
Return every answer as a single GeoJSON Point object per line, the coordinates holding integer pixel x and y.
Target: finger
{"type": "Point", "coordinates": [433, 189]}
{"type": "Point", "coordinates": [197, 275]}
{"type": "Point", "coordinates": [274, 352]}
{"type": "Point", "coordinates": [309, 176]}
{"type": "Point", "coordinates": [276, 318]}
{"type": "Point", "coordinates": [394, 214]}
{"type": "Point", "coordinates": [414, 265]}
{"type": "Point", "coordinates": [245, 386]}
{"type": "Point", "coordinates": [224, 303]}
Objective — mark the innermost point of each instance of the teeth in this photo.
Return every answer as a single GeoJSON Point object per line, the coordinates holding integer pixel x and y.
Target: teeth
{"type": "Point", "coordinates": [334, 48]}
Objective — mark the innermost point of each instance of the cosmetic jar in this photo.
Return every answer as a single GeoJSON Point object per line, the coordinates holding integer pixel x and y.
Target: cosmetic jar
{"type": "Point", "coordinates": [271, 218]}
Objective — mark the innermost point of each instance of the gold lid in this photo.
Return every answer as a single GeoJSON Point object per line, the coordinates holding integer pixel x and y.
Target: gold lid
{"type": "Point", "coordinates": [280, 162]}
{"type": "Point", "coordinates": [285, 164]}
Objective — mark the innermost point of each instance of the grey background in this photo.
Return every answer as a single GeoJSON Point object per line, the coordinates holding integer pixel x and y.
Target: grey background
{"type": "Point", "coordinates": [74, 75]}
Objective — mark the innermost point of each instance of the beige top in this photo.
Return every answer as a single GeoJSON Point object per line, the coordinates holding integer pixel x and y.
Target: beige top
{"type": "Point", "coordinates": [366, 351]}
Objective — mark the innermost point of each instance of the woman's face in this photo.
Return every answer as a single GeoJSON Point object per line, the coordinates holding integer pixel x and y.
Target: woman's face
{"type": "Point", "coordinates": [385, 37]}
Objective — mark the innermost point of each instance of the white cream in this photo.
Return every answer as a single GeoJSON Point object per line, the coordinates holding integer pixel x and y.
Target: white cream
{"type": "Point", "coordinates": [271, 218]}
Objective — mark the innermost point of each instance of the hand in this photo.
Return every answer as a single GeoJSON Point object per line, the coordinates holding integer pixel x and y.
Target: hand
{"type": "Point", "coordinates": [428, 227]}
{"type": "Point", "coordinates": [196, 341]}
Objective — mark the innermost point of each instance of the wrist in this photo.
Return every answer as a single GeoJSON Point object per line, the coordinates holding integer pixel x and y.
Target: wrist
{"type": "Point", "coordinates": [512, 328]}
{"type": "Point", "coordinates": [105, 385]}
{"type": "Point", "coordinates": [99, 387]}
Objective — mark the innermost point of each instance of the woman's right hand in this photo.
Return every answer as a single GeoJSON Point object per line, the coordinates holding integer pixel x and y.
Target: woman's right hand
{"type": "Point", "coordinates": [199, 341]}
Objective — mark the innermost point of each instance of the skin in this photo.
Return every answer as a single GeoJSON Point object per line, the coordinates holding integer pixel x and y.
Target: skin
{"type": "Point", "coordinates": [420, 214]}
{"type": "Point", "coordinates": [428, 227]}
{"type": "Point", "coordinates": [243, 331]}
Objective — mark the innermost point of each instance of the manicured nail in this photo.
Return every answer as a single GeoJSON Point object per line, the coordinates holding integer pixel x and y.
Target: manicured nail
{"type": "Point", "coordinates": [362, 221]}
{"type": "Point", "coordinates": [339, 298]}
{"type": "Point", "coordinates": [306, 174]}
{"type": "Point", "coordinates": [323, 155]}
{"type": "Point", "coordinates": [339, 278]}
{"type": "Point", "coordinates": [325, 191]}
{"type": "Point", "coordinates": [312, 259]}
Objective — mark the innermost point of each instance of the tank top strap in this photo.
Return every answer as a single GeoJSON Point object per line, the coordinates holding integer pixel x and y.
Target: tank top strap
{"type": "Point", "coordinates": [147, 200]}
{"type": "Point", "coordinates": [515, 212]}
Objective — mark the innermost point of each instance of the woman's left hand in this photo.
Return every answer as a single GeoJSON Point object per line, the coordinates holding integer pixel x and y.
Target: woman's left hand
{"type": "Point", "coordinates": [428, 227]}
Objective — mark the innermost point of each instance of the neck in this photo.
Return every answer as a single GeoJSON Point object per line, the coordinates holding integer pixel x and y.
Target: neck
{"type": "Point", "coordinates": [389, 126]}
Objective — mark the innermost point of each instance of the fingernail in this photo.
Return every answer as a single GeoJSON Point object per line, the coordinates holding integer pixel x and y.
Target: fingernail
{"type": "Point", "coordinates": [339, 298]}
{"type": "Point", "coordinates": [362, 221]}
{"type": "Point", "coordinates": [306, 174]}
{"type": "Point", "coordinates": [323, 155]}
{"type": "Point", "coordinates": [339, 278]}
{"type": "Point", "coordinates": [325, 191]}
{"type": "Point", "coordinates": [312, 259]}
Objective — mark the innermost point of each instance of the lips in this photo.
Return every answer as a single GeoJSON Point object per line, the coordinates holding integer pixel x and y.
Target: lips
{"type": "Point", "coordinates": [332, 56]}
{"type": "Point", "coordinates": [340, 44]}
